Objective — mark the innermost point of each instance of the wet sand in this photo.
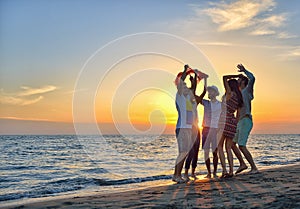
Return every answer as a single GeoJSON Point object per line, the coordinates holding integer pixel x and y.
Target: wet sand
{"type": "Point", "coordinates": [271, 188]}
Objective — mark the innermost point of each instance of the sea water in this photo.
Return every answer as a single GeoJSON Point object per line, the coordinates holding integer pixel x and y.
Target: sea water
{"type": "Point", "coordinates": [34, 166]}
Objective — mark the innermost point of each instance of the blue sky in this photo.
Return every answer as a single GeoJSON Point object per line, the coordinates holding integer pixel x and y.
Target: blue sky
{"type": "Point", "coordinates": [50, 38]}
{"type": "Point", "coordinates": [44, 44]}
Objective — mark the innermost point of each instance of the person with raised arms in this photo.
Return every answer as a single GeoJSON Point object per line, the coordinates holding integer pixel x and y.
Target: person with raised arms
{"type": "Point", "coordinates": [244, 116]}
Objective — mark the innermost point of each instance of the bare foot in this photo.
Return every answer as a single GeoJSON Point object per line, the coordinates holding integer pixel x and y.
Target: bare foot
{"type": "Point", "coordinates": [178, 179]}
{"type": "Point", "coordinates": [224, 173]}
{"type": "Point", "coordinates": [194, 176]}
{"type": "Point", "coordinates": [208, 176]}
{"type": "Point", "coordinates": [253, 171]}
{"type": "Point", "coordinates": [241, 168]}
{"type": "Point", "coordinates": [186, 177]}
{"type": "Point", "coordinates": [228, 175]}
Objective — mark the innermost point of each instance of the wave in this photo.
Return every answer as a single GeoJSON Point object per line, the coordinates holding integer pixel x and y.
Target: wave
{"type": "Point", "coordinates": [74, 184]}
{"type": "Point", "coordinates": [102, 182]}
{"type": "Point", "coordinates": [277, 162]}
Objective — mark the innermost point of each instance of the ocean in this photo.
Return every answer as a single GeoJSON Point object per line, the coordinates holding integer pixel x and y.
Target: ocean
{"type": "Point", "coordinates": [35, 166]}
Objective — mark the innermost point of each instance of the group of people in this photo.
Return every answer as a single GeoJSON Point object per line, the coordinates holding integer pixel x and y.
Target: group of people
{"type": "Point", "coordinates": [228, 121]}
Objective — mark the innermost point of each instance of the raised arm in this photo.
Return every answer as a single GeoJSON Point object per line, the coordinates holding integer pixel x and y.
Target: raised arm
{"type": "Point", "coordinates": [199, 99]}
{"type": "Point", "coordinates": [193, 83]}
{"type": "Point", "coordinates": [250, 76]}
{"type": "Point", "coordinates": [183, 76]}
{"type": "Point", "coordinates": [181, 83]}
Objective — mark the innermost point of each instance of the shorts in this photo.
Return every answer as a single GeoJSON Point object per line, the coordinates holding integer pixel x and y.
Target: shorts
{"type": "Point", "coordinates": [184, 139]}
{"type": "Point", "coordinates": [209, 138]}
{"type": "Point", "coordinates": [244, 127]}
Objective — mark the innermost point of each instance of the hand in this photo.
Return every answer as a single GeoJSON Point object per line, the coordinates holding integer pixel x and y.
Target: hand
{"type": "Point", "coordinates": [241, 68]}
{"type": "Point", "coordinates": [186, 67]}
{"type": "Point", "coordinates": [202, 75]}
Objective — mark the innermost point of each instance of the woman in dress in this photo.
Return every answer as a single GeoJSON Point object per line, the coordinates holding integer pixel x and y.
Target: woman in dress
{"type": "Point", "coordinates": [231, 101]}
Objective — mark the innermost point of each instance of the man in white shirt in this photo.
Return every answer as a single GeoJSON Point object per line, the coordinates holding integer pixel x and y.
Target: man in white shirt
{"type": "Point", "coordinates": [212, 111]}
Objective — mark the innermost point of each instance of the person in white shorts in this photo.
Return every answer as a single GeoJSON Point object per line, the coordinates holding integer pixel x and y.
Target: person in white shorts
{"type": "Point", "coordinates": [184, 124]}
{"type": "Point", "coordinates": [212, 111]}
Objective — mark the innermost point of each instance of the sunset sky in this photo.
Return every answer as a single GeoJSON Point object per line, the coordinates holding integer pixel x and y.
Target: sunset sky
{"type": "Point", "coordinates": [113, 63]}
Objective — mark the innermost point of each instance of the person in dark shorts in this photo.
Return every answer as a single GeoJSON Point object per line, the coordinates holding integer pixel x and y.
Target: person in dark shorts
{"type": "Point", "coordinates": [193, 153]}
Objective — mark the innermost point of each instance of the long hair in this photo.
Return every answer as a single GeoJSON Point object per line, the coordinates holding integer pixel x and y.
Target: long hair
{"type": "Point", "coordinates": [234, 86]}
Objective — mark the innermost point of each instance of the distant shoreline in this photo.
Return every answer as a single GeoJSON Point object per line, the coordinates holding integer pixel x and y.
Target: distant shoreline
{"type": "Point", "coordinates": [123, 134]}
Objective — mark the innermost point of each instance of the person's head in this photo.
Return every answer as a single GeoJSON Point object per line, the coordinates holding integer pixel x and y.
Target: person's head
{"type": "Point", "coordinates": [243, 81]}
{"type": "Point", "coordinates": [213, 92]}
{"type": "Point", "coordinates": [234, 87]}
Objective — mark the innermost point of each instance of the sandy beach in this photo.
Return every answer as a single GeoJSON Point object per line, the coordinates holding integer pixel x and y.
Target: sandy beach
{"type": "Point", "coordinates": [271, 188]}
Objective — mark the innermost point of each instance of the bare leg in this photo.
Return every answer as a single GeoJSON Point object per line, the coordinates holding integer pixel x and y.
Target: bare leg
{"type": "Point", "coordinates": [193, 173]}
{"type": "Point", "coordinates": [186, 173]}
{"type": "Point", "coordinates": [238, 154]}
{"type": "Point", "coordinates": [221, 154]}
{"type": "Point", "coordinates": [207, 162]}
{"type": "Point", "coordinates": [215, 161]}
{"type": "Point", "coordinates": [228, 145]}
{"type": "Point", "coordinates": [179, 163]}
{"type": "Point", "coordinates": [249, 158]}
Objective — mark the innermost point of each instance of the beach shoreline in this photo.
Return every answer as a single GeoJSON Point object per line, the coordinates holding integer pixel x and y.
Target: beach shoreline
{"type": "Point", "coordinates": [277, 187]}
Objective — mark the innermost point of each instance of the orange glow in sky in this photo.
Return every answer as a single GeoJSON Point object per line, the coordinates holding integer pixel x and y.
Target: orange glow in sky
{"type": "Point", "coordinates": [40, 69]}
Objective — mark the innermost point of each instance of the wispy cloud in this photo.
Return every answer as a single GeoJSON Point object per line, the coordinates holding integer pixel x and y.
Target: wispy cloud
{"type": "Point", "coordinates": [76, 91]}
{"type": "Point", "coordinates": [4, 99]}
{"type": "Point", "coordinates": [239, 14]}
{"type": "Point", "coordinates": [262, 31]}
{"type": "Point", "coordinates": [215, 43]}
{"type": "Point", "coordinates": [24, 97]}
{"type": "Point", "coordinates": [225, 44]}
{"type": "Point", "coordinates": [256, 15]}
{"type": "Point", "coordinates": [28, 91]}
{"type": "Point", "coordinates": [26, 119]}
{"type": "Point", "coordinates": [285, 35]}
{"type": "Point", "coordinates": [293, 54]}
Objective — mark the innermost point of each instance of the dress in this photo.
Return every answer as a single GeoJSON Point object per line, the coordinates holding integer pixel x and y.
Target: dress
{"type": "Point", "coordinates": [228, 122]}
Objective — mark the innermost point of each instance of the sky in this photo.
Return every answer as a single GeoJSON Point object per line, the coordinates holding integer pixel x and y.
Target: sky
{"type": "Point", "coordinates": [108, 66]}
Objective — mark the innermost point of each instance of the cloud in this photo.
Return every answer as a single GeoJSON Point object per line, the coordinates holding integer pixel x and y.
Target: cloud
{"type": "Point", "coordinates": [285, 35]}
{"type": "Point", "coordinates": [28, 91]}
{"type": "Point", "coordinates": [24, 97]}
{"type": "Point", "coordinates": [215, 43]}
{"type": "Point", "coordinates": [293, 54]}
{"type": "Point", "coordinates": [18, 101]}
{"type": "Point", "coordinates": [225, 44]}
{"type": "Point", "coordinates": [262, 31]}
{"type": "Point", "coordinates": [275, 20]}
{"type": "Point", "coordinates": [76, 91]}
{"type": "Point", "coordinates": [255, 15]}
{"type": "Point", "coordinates": [24, 119]}
{"type": "Point", "coordinates": [239, 14]}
